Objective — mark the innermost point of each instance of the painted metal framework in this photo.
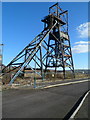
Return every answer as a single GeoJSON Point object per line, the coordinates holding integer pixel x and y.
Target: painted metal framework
{"type": "Point", "coordinates": [50, 49]}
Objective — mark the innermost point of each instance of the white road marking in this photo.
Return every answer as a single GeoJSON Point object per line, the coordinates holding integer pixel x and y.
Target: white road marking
{"type": "Point", "coordinates": [66, 83]}
{"type": "Point", "coordinates": [75, 112]}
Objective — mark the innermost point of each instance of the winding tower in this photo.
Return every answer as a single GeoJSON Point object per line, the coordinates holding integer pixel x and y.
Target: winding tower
{"type": "Point", "coordinates": [59, 41]}
{"type": "Point", "coordinates": [50, 49]}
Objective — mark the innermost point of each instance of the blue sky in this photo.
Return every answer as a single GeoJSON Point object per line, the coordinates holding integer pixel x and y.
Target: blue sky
{"type": "Point", "coordinates": [22, 22]}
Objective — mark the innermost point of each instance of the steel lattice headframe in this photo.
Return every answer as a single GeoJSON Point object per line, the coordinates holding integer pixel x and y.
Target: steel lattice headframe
{"type": "Point", "coordinates": [50, 49]}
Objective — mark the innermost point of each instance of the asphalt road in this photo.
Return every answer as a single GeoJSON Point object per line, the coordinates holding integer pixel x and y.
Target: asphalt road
{"type": "Point", "coordinates": [54, 102]}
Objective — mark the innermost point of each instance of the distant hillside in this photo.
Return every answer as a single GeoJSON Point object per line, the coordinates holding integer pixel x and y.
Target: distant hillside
{"type": "Point", "coordinates": [84, 71]}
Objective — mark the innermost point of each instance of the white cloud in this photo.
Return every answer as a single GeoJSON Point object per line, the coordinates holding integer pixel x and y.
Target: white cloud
{"type": "Point", "coordinates": [84, 30]}
{"type": "Point", "coordinates": [81, 47]}
{"type": "Point", "coordinates": [82, 42]}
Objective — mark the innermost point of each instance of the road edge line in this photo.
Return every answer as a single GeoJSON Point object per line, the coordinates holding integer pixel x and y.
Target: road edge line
{"type": "Point", "coordinates": [62, 84]}
{"type": "Point", "coordinates": [75, 112]}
